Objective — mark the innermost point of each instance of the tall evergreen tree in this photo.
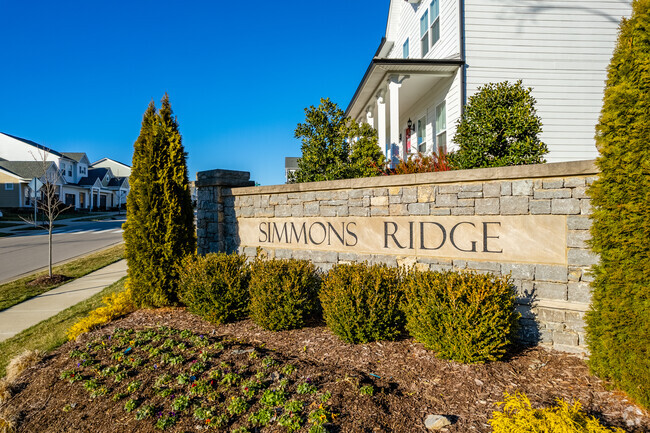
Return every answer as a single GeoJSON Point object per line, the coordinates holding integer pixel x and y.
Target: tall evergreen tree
{"type": "Point", "coordinates": [159, 230]}
{"type": "Point", "coordinates": [618, 324]}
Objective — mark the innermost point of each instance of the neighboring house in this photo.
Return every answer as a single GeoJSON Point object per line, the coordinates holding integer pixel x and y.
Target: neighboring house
{"type": "Point", "coordinates": [15, 177]}
{"type": "Point", "coordinates": [118, 168]}
{"type": "Point", "coordinates": [437, 53]}
{"type": "Point", "coordinates": [290, 166]}
{"type": "Point", "coordinates": [80, 185]}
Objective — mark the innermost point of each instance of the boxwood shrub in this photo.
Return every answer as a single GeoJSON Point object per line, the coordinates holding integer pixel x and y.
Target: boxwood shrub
{"type": "Point", "coordinates": [361, 302]}
{"type": "Point", "coordinates": [215, 286]}
{"type": "Point", "coordinates": [462, 316]}
{"type": "Point", "coordinates": [284, 293]}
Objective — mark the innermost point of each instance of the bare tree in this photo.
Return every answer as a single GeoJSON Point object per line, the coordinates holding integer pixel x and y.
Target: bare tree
{"type": "Point", "coordinates": [49, 203]}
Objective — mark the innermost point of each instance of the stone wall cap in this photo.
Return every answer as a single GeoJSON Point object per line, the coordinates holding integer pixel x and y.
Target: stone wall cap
{"type": "Point", "coordinates": [556, 169]}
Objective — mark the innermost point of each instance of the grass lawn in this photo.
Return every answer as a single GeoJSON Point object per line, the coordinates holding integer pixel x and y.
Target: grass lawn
{"type": "Point", "coordinates": [51, 333]}
{"type": "Point", "coordinates": [13, 216]}
{"type": "Point", "coordinates": [18, 291]}
{"type": "Point", "coordinates": [39, 227]}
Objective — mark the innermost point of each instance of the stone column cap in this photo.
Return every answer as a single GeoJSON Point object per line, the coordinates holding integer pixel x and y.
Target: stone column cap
{"type": "Point", "coordinates": [220, 177]}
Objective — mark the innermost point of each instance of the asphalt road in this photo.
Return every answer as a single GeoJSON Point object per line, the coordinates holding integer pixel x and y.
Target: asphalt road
{"type": "Point", "coordinates": [24, 253]}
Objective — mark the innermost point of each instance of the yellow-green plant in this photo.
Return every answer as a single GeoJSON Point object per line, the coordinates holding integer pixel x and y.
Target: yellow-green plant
{"type": "Point", "coordinates": [463, 316]}
{"type": "Point", "coordinates": [361, 302]}
{"type": "Point", "coordinates": [518, 416]}
{"type": "Point", "coordinates": [116, 305]}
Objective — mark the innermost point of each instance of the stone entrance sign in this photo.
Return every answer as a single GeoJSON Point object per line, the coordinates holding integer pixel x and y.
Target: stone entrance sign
{"type": "Point", "coordinates": [515, 239]}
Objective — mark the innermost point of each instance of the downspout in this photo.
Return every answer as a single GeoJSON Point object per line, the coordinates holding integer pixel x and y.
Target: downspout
{"type": "Point", "coordinates": [463, 75]}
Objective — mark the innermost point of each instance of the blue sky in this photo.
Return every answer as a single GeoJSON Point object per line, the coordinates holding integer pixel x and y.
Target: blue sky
{"type": "Point", "coordinates": [78, 75]}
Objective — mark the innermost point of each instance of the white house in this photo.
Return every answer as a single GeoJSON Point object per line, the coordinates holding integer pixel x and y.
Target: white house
{"type": "Point", "coordinates": [118, 168]}
{"type": "Point", "coordinates": [80, 185]}
{"type": "Point", "coordinates": [436, 53]}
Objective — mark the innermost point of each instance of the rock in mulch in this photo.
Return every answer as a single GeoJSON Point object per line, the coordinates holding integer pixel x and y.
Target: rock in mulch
{"type": "Point", "coordinates": [436, 422]}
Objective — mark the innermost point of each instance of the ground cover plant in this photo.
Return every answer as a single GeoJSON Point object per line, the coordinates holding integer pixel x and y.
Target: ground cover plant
{"type": "Point", "coordinates": [164, 377]}
{"type": "Point", "coordinates": [19, 290]}
{"type": "Point", "coordinates": [388, 386]}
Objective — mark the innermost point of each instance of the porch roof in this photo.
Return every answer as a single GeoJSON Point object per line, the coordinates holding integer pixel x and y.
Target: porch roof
{"type": "Point", "coordinates": [377, 74]}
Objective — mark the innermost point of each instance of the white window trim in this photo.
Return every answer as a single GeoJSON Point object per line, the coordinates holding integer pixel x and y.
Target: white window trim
{"type": "Point", "coordinates": [443, 131]}
{"type": "Point", "coordinates": [424, 36]}
{"type": "Point", "coordinates": [9, 186]}
{"type": "Point", "coordinates": [406, 49]}
{"type": "Point", "coordinates": [432, 22]}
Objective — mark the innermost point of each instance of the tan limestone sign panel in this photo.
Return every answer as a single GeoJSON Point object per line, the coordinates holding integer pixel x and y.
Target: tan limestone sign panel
{"type": "Point", "coordinates": [518, 239]}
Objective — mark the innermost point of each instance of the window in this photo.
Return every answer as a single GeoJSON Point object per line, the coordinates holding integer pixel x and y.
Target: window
{"type": "Point", "coordinates": [69, 172]}
{"type": "Point", "coordinates": [435, 22]}
{"type": "Point", "coordinates": [405, 49]}
{"type": "Point", "coordinates": [9, 186]}
{"type": "Point", "coordinates": [422, 135]}
{"type": "Point", "coordinates": [441, 127]}
{"type": "Point", "coordinates": [424, 33]}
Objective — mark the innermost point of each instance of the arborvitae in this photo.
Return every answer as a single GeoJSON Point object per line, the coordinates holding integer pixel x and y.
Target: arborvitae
{"type": "Point", "coordinates": [618, 324]}
{"type": "Point", "coordinates": [159, 230]}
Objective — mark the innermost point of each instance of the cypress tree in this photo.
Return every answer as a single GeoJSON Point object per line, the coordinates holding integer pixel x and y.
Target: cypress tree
{"type": "Point", "coordinates": [618, 323]}
{"type": "Point", "coordinates": [159, 230]}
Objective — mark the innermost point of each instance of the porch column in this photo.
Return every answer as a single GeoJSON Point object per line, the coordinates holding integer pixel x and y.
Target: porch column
{"type": "Point", "coordinates": [394, 84]}
{"type": "Point", "coordinates": [91, 199]}
{"type": "Point", "coordinates": [369, 119]}
{"type": "Point", "coordinates": [381, 122]}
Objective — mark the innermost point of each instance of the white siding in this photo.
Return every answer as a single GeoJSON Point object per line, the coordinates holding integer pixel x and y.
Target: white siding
{"type": "Point", "coordinates": [408, 19]}
{"type": "Point", "coordinates": [561, 49]}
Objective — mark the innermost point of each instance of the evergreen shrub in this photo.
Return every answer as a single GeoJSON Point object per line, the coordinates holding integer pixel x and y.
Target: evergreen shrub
{"type": "Point", "coordinates": [618, 323]}
{"type": "Point", "coordinates": [462, 316]}
{"type": "Point", "coordinates": [499, 127]}
{"type": "Point", "coordinates": [215, 286]}
{"type": "Point", "coordinates": [159, 229]}
{"type": "Point", "coordinates": [283, 293]}
{"type": "Point", "coordinates": [361, 302]}
{"type": "Point", "coordinates": [518, 416]}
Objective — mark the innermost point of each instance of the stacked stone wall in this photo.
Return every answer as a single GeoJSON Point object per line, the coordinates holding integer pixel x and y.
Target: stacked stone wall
{"type": "Point", "coordinates": [552, 298]}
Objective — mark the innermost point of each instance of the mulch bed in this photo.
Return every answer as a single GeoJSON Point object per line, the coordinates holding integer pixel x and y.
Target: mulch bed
{"type": "Point", "coordinates": [410, 382]}
{"type": "Point", "coordinates": [46, 280]}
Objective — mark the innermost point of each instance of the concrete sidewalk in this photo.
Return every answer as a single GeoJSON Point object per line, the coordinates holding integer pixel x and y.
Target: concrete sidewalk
{"type": "Point", "coordinates": [26, 314]}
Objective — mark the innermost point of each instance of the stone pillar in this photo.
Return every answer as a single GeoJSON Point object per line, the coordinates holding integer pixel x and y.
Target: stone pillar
{"type": "Point", "coordinates": [212, 188]}
{"type": "Point", "coordinates": [381, 122]}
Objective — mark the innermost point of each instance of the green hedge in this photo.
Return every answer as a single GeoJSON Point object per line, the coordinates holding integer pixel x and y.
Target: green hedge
{"type": "Point", "coordinates": [464, 316]}
{"type": "Point", "coordinates": [215, 286]}
{"type": "Point", "coordinates": [361, 302]}
{"type": "Point", "coordinates": [284, 293]}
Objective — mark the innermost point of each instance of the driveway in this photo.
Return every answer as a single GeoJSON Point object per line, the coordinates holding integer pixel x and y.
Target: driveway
{"type": "Point", "coordinates": [27, 251]}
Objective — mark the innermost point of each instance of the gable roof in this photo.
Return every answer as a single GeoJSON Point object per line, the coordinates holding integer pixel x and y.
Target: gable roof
{"type": "Point", "coordinates": [25, 169]}
{"type": "Point", "coordinates": [109, 159]}
{"type": "Point", "coordinates": [31, 143]}
{"type": "Point", "coordinates": [117, 181]}
{"type": "Point", "coordinates": [75, 156]}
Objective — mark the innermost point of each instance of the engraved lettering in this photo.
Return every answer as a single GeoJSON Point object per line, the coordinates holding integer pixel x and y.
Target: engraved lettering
{"type": "Point", "coordinates": [453, 242]}
{"type": "Point", "coordinates": [486, 237]}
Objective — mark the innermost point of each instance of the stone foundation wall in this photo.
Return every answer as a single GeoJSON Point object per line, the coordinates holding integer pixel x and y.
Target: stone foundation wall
{"type": "Point", "coordinates": [553, 294]}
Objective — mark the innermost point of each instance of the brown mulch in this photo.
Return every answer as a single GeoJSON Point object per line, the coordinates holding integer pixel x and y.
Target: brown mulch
{"type": "Point", "coordinates": [46, 280]}
{"type": "Point", "coordinates": [411, 383]}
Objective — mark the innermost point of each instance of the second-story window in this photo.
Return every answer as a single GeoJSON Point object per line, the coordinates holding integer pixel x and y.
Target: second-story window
{"type": "Point", "coordinates": [435, 22]}
{"type": "Point", "coordinates": [424, 33]}
{"type": "Point", "coordinates": [405, 49]}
